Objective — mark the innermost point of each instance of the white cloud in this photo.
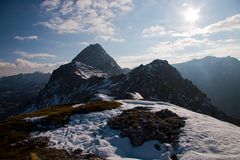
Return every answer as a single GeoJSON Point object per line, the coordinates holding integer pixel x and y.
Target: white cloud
{"type": "Point", "coordinates": [178, 45]}
{"type": "Point", "coordinates": [67, 7]}
{"type": "Point", "coordinates": [25, 66]}
{"type": "Point", "coordinates": [34, 55]}
{"type": "Point", "coordinates": [6, 64]}
{"type": "Point", "coordinates": [89, 16]}
{"type": "Point", "coordinates": [178, 51]}
{"type": "Point", "coordinates": [154, 31]}
{"type": "Point", "coordinates": [113, 39]}
{"type": "Point", "coordinates": [84, 43]}
{"type": "Point", "coordinates": [134, 61]}
{"type": "Point", "coordinates": [184, 4]}
{"type": "Point", "coordinates": [50, 5]}
{"type": "Point", "coordinates": [32, 37]}
{"type": "Point", "coordinates": [229, 24]}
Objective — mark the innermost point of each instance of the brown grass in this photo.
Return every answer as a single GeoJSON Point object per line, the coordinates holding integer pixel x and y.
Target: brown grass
{"type": "Point", "coordinates": [15, 132]}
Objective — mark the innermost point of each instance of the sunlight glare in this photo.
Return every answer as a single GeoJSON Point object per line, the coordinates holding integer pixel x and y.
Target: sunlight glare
{"type": "Point", "coordinates": [192, 15]}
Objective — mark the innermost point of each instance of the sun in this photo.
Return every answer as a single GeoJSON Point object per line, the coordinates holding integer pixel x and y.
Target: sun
{"type": "Point", "coordinates": [191, 15]}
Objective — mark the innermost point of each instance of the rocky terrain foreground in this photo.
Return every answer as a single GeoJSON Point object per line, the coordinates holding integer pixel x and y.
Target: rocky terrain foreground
{"type": "Point", "coordinates": [88, 131]}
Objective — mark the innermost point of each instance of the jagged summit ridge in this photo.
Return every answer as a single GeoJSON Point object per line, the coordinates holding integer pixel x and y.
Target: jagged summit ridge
{"type": "Point", "coordinates": [79, 82]}
{"type": "Point", "coordinates": [94, 55]}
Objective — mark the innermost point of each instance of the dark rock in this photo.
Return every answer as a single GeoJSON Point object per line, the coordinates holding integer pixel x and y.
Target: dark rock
{"type": "Point", "coordinates": [165, 113]}
{"type": "Point", "coordinates": [174, 157]}
{"type": "Point", "coordinates": [143, 125]}
{"type": "Point", "coordinates": [157, 147]}
{"type": "Point", "coordinates": [94, 55]}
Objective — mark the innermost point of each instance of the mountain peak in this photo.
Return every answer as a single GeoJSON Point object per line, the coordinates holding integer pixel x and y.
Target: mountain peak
{"type": "Point", "coordinates": [159, 67]}
{"type": "Point", "coordinates": [159, 62]}
{"type": "Point", "coordinates": [90, 50]}
{"type": "Point", "coordinates": [94, 55]}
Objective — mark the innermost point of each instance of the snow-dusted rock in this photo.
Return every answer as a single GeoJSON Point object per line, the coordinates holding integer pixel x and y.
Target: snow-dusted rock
{"type": "Point", "coordinates": [204, 137]}
{"type": "Point", "coordinates": [101, 97]}
{"type": "Point", "coordinates": [134, 96]}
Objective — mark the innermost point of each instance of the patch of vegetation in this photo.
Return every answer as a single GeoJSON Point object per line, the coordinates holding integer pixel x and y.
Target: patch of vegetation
{"type": "Point", "coordinates": [141, 125]}
{"type": "Point", "coordinates": [16, 142]}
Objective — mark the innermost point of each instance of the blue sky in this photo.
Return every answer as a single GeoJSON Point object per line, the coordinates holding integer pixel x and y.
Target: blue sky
{"type": "Point", "coordinates": [41, 35]}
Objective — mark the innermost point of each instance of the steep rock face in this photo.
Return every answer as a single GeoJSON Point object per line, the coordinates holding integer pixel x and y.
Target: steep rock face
{"type": "Point", "coordinates": [94, 55]}
{"type": "Point", "coordinates": [70, 83]}
{"type": "Point", "coordinates": [160, 81]}
{"type": "Point", "coordinates": [218, 78]}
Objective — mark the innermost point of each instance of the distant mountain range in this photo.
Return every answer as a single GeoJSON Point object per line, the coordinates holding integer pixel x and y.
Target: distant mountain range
{"type": "Point", "coordinates": [219, 78]}
{"type": "Point", "coordinates": [93, 74]}
{"type": "Point", "coordinates": [16, 91]}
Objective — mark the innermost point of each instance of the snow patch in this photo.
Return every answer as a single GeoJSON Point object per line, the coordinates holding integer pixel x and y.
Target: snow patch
{"type": "Point", "coordinates": [77, 105]}
{"type": "Point", "coordinates": [34, 119]}
{"type": "Point", "coordinates": [101, 97]}
{"type": "Point", "coordinates": [135, 96]}
{"type": "Point", "coordinates": [203, 137]}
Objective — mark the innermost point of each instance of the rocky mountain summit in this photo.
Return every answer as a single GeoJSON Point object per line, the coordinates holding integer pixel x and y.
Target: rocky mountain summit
{"type": "Point", "coordinates": [84, 80]}
{"type": "Point", "coordinates": [94, 55]}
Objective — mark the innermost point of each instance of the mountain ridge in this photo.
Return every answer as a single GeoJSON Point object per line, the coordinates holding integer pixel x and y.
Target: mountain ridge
{"type": "Point", "coordinates": [155, 81]}
{"type": "Point", "coordinates": [218, 78]}
{"type": "Point", "coordinates": [18, 90]}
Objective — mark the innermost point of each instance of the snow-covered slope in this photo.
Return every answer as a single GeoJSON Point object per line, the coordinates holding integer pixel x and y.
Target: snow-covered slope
{"type": "Point", "coordinates": [203, 137]}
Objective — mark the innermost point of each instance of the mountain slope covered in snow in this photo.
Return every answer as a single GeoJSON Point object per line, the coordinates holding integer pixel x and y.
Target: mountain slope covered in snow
{"type": "Point", "coordinates": [203, 137]}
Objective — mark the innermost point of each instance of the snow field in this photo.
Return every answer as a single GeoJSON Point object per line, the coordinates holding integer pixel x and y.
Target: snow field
{"type": "Point", "coordinates": [204, 137]}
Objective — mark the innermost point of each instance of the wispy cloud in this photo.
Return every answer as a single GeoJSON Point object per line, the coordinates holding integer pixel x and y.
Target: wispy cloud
{"type": "Point", "coordinates": [84, 43]}
{"type": "Point", "coordinates": [177, 51]}
{"type": "Point", "coordinates": [110, 38]}
{"type": "Point", "coordinates": [89, 16]}
{"type": "Point", "coordinates": [32, 37]}
{"type": "Point", "coordinates": [50, 5]}
{"type": "Point", "coordinates": [34, 55]}
{"type": "Point", "coordinates": [228, 24]}
{"type": "Point", "coordinates": [155, 30]}
{"type": "Point", "coordinates": [25, 66]}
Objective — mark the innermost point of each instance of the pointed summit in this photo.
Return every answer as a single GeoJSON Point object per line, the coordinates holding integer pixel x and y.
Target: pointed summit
{"type": "Point", "coordinates": [94, 55]}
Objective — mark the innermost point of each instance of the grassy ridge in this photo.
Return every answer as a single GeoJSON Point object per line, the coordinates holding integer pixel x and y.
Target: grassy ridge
{"type": "Point", "coordinates": [16, 142]}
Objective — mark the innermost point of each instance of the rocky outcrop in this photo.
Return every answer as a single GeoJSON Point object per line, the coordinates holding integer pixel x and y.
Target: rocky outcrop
{"type": "Point", "coordinates": [141, 125]}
